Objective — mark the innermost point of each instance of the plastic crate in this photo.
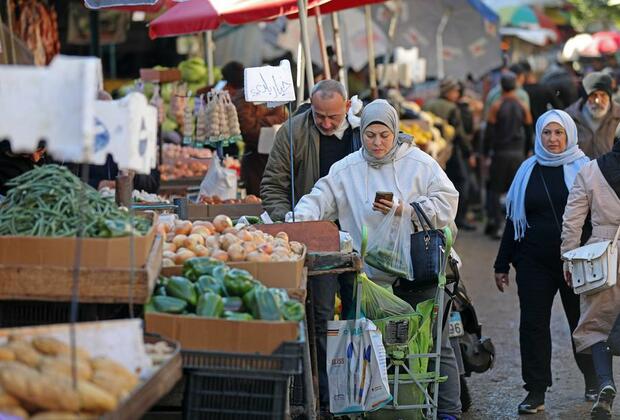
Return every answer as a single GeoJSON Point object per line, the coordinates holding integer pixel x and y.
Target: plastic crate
{"type": "Point", "coordinates": [23, 313]}
{"type": "Point", "coordinates": [224, 386]}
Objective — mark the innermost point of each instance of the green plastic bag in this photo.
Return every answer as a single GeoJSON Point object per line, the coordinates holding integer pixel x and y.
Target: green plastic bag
{"type": "Point", "coordinates": [378, 302]}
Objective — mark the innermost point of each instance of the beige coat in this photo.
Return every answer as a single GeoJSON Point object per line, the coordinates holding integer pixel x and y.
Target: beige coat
{"type": "Point", "coordinates": [591, 192]}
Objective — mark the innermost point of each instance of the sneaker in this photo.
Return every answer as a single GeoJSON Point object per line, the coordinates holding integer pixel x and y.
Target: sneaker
{"type": "Point", "coordinates": [533, 403]}
{"type": "Point", "coordinates": [601, 410]}
{"type": "Point", "coordinates": [591, 394]}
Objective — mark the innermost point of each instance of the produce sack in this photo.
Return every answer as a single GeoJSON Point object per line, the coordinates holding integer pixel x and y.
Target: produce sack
{"type": "Point", "coordinates": [358, 380]}
{"type": "Point", "coordinates": [389, 248]}
{"type": "Point", "coordinates": [377, 302]}
{"type": "Point", "coordinates": [219, 181]}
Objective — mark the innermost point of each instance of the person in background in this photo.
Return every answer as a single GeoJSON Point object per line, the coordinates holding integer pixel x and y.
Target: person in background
{"type": "Point", "coordinates": [596, 115]}
{"type": "Point", "coordinates": [462, 159]}
{"type": "Point", "coordinates": [596, 191]}
{"type": "Point", "coordinates": [13, 164]}
{"type": "Point", "coordinates": [613, 73]}
{"type": "Point", "coordinates": [496, 92]}
{"type": "Point", "coordinates": [322, 135]}
{"type": "Point", "coordinates": [561, 79]}
{"type": "Point", "coordinates": [252, 118]}
{"type": "Point", "coordinates": [389, 161]}
{"type": "Point", "coordinates": [542, 98]}
{"type": "Point", "coordinates": [531, 243]}
{"type": "Point", "coordinates": [507, 140]}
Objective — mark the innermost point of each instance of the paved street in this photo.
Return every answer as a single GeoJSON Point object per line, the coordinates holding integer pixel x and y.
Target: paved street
{"type": "Point", "coordinates": [497, 392]}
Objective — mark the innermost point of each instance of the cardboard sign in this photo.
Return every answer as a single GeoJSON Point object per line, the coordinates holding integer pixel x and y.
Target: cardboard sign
{"type": "Point", "coordinates": [54, 103]}
{"type": "Point", "coordinates": [270, 84]}
{"type": "Point", "coordinates": [127, 130]}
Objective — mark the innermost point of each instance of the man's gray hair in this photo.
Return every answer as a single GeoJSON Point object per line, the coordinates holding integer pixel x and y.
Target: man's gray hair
{"type": "Point", "coordinates": [328, 88]}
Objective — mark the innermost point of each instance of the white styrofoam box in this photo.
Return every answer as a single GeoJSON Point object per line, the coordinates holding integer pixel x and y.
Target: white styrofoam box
{"type": "Point", "coordinates": [127, 130]}
{"type": "Point", "coordinates": [54, 103]}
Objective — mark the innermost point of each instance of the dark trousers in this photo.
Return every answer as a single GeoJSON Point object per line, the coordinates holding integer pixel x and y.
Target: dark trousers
{"type": "Point", "coordinates": [457, 171]}
{"type": "Point", "coordinates": [538, 284]}
{"type": "Point", "coordinates": [323, 293]}
{"type": "Point", "coordinates": [252, 170]}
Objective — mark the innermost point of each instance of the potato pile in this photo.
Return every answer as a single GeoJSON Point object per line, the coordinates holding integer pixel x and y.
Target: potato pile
{"type": "Point", "coordinates": [220, 240]}
{"type": "Point", "coordinates": [36, 379]}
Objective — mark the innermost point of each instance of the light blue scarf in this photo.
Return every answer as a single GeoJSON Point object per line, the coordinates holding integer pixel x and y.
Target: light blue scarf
{"type": "Point", "coordinates": [572, 159]}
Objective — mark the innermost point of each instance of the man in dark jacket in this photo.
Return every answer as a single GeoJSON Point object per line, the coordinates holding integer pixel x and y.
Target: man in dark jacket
{"type": "Point", "coordinates": [542, 98]}
{"type": "Point", "coordinates": [507, 140]}
{"type": "Point", "coordinates": [597, 116]}
{"type": "Point", "coordinates": [322, 135]}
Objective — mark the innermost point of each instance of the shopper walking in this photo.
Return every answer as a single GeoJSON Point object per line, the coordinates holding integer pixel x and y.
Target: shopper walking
{"type": "Point", "coordinates": [597, 116]}
{"type": "Point", "coordinates": [507, 139]}
{"type": "Point", "coordinates": [389, 161]}
{"type": "Point", "coordinates": [597, 192]}
{"type": "Point", "coordinates": [531, 243]}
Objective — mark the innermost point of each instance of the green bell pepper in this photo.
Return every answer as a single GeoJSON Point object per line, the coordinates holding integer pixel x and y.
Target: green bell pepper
{"type": "Point", "coordinates": [210, 305]}
{"type": "Point", "coordinates": [209, 283]}
{"type": "Point", "coordinates": [200, 266]}
{"type": "Point", "coordinates": [292, 310]}
{"type": "Point", "coordinates": [238, 282]}
{"type": "Point", "coordinates": [237, 316]}
{"type": "Point", "coordinates": [182, 288]}
{"type": "Point", "coordinates": [169, 304]}
{"type": "Point", "coordinates": [160, 291]}
{"type": "Point", "coordinates": [262, 303]}
{"type": "Point", "coordinates": [233, 304]}
{"type": "Point", "coordinates": [220, 272]}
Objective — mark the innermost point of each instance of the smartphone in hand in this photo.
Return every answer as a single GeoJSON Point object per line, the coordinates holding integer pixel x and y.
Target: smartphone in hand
{"type": "Point", "coordinates": [383, 195]}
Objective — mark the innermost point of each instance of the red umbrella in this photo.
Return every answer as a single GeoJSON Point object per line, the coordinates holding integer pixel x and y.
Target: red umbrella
{"type": "Point", "coordinates": [337, 6]}
{"type": "Point", "coordinates": [606, 42]}
{"type": "Point", "coordinates": [204, 15]}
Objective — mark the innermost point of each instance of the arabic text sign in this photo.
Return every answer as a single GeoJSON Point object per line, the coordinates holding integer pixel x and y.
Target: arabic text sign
{"type": "Point", "coordinates": [269, 83]}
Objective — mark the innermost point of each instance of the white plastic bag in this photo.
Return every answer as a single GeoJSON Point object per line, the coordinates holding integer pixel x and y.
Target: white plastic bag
{"type": "Point", "coordinates": [356, 367]}
{"type": "Point", "coordinates": [219, 181]}
{"type": "Point", "coordinates": [389, 247]}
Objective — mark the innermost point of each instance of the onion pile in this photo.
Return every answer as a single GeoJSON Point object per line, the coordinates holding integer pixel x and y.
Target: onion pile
{"type": "Point", "coordinates": [220, 240]}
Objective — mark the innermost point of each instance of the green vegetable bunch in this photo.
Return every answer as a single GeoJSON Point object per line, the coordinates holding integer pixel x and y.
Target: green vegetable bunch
{"type": "Point", "coordinates": [50, 201]}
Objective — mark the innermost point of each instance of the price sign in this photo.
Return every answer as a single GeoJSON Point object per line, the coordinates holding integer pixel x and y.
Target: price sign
{"type": "Point", "coordinates": [270, 84]}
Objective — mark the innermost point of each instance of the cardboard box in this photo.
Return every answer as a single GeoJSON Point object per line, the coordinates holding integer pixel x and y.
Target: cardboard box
{"type": "Point", "coordinates": [209, 211]}
{"type": "Point", "coordinates": [161, 76]}
{"type": "Point", "coordinates": [60, 252]}
{"type": "Point", "coordinates": [196, 333]}
{"type": "Point", "coordinates": [285, 274]}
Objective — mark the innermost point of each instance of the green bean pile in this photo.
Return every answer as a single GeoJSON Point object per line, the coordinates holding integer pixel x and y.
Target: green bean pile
{"type": "Point", "coordinates": [50, 201]}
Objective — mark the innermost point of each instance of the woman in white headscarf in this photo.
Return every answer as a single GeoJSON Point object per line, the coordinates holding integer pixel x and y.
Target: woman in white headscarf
{"type": "Point", "coordinates": [531, 243]}
{"type": "Point", "coordinates": [388, 161]}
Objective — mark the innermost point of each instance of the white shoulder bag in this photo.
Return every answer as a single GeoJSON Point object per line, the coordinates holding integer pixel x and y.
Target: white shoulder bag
{"type": "Point", "coordinates": [594, 267]}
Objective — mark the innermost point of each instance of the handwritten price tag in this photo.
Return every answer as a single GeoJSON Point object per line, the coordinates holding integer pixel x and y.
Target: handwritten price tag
{"type": "Point", "coordinates": [270, 84]}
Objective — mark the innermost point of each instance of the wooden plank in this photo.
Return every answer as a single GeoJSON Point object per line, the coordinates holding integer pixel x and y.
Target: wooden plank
{"type": "Point", "coordinates": [95, 285]}
{"type": "Point", "coordinates": [332, 261]}
{"type": "Point", "coordinates": [317, 236]}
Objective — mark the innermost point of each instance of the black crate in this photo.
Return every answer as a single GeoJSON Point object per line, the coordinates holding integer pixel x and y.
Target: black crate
{"type": "Point", "coordinates": [231, 386]}
{"type": "Point", "coordinates": [24, 313]}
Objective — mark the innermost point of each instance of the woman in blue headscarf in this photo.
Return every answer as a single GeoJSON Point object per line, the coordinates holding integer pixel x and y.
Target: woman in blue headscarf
{"type": "Point", "coordinates": [531, 243]}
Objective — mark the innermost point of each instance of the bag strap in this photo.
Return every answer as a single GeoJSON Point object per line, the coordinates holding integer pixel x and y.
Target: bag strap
{"type": "Point", "coordinates": [616, 237]}
{"type": "Point", "coordinates": [555, 216]}
{"type": "Point", "coordinates": [422, 217]}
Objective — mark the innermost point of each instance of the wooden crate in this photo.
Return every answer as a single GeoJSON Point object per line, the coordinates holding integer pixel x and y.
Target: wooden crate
{"type": "Point", "coordinates": [151, 391]}
{"type": "Point", "coordinates": [45, 283]}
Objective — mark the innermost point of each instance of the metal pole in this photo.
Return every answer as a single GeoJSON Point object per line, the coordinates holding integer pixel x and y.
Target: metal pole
{"type": "Point", "coordinates": [11, 34]}
{"type": "Point", "coordinates": [321, 34]}
{"type": "Point", "coordinates": [305, 42]}
{"type": "Point", "coordinates": [439, 43]}
{"type": "Point", "coordinates": [342, 71]}
{"type": "Point", "coordinates": [300, 75]}
{"type": "Point", "coordinates": [292, 161]}
{"type": "Point", "coordinates": [210, 47]}
{"type": "Point", "coordinates": [95, 45]}
{"type": "Point", "coordinates": [392, 36]}
{"type": "Point", "coordinates": [372, 70]}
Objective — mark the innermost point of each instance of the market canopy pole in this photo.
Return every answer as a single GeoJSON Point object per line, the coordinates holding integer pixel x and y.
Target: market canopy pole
{"type": "Point", "coordinates": [209, 46]}
{"type": "Point", "coordinates": [439, 42]}
{"type": "Point", "coordinates": [342, 71]}
{"type": "Point", "coordinates": [392, 36]}
{"type": "Point", "coordinates": [300, 75]}
{"type": "Point", "coordinates": [321, 34]}
{"type": "Point", "coordinates": [372, 70]}
{"type": "Point", "coordinates": [305, 42]}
